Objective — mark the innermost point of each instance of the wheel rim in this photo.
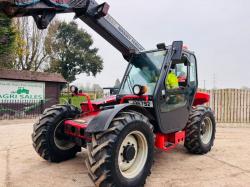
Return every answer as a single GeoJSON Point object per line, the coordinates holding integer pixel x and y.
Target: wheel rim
{"type": "Point", "coordinates": [206, 130]}
{"type": "Point", "coordinates": [133, 154]}
{"type": "Point", "coordinates": [61, 140]}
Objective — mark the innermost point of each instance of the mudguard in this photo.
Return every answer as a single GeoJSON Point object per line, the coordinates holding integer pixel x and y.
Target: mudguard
{"type": "Point", "coordinates": [201, 98]}
{"type": "Point", "coordinates": [102, 121]}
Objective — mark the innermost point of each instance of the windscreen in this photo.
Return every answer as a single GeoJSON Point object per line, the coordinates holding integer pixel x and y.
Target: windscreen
{"type": "Point", "coordinates": [144, 69]}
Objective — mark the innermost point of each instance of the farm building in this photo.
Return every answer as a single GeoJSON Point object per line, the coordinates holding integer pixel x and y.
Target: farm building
{"type": "Point", "coordinates": [20, 89]}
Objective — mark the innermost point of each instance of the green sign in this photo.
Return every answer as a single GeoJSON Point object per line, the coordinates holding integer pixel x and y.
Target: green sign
{"type": "Point", "coordinates": [21, 90]}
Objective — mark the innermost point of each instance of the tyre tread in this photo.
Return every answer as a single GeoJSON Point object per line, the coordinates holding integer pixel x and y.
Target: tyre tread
{"type": "Point", "coordinates": [49, 117]}
{"type": "Point", "coordinates": [192, 140]}
{"type": "Point", "coordinates": [99, 150]}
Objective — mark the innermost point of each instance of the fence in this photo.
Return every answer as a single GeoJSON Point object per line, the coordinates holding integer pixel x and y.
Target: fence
{"type": "Point", "coordinates": [230, 105]}
{"type": "Point", "coordinates": [20, 109]}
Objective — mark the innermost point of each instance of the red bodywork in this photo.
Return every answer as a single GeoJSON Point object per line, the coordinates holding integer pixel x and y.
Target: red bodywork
{"type": "Point", "coordinates": [166, 142]}
{"type": "Point", "coordinates": [91, 109]}
{"type": "Point", "coordinates": [89, 105]}
{"type": "Point", "coordinates": [85, 106]}
{"type": "Point", "coordinates": [201, 98]}
{"type": "Point", "coordinates": [76, 128]}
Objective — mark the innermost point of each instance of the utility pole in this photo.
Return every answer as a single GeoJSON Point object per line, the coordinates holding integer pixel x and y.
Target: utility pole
{"type": "Point", "coordinates": [204, 84]}
{"type": "Point", "coordinates": [214, 81]}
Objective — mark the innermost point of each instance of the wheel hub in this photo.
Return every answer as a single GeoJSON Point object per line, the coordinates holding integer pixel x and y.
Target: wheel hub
{"type": "Point", "coordinates": [129, 153]}
{"type": "Point", "coordinates": [206, 130]}
{"type": "Point", "coordinates": [132, 154]}
{"type": "Point", "coordinates": [203, 128]}
{"type": "Point", "coordinates": [61, 140]}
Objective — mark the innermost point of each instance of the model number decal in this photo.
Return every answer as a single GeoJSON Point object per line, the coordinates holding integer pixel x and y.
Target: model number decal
{"type": "Point", "coordinates": [142, 103]}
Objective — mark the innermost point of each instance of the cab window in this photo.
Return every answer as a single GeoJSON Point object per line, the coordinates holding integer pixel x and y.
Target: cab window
{"type": "Point", "coordinates": [177, 75]}
{"type": "Point", "coordinates": [176, 81]}
{"type": "Point", "coordinates": [193, 72]}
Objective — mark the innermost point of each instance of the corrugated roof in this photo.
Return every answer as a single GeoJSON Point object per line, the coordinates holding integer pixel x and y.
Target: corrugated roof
{"type": "Point", "coordinates": [31, 76]}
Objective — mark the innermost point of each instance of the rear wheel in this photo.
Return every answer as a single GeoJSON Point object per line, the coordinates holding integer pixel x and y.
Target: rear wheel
{"type": "Point", "coordinates": [123, 154]}
{"type": "Point", "coordinates": [200, 130]}
{"type": "Point", "coordinates": [49, 139]}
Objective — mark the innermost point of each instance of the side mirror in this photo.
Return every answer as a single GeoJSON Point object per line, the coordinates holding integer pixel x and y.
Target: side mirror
{"type": "Point", "coordinates": [177, 47]}
{"type": "Point", "coordinates": [161, 46]}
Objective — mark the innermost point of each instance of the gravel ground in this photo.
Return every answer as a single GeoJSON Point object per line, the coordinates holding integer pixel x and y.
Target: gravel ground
{"type": "Point", "coordinates": [228, 164]}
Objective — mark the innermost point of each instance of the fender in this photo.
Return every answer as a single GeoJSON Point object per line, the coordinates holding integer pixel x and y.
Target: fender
{"type": "Point", "coordinates": [102, 121]}
{"type": "Point", "coordinates": [201, 98]}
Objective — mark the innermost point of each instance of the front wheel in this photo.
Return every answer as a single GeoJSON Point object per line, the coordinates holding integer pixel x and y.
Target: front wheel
{"type": "Point", "coordinates": [123, 154]}
{"type": "Point", "coordinates": [200, 130]}
{"type": "Point", "coordinates": [49, 139]}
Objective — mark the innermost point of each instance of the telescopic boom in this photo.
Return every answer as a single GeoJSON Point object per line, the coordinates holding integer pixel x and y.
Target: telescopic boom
{"type": "Point", "coordinates": [89, 11]}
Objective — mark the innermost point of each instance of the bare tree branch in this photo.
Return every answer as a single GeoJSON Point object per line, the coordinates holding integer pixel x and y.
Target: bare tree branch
{"type": "Point", "coordinates": [30, 52]}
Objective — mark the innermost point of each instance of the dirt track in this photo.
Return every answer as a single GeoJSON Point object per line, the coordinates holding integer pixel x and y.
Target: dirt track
{"type": "Point", "coordinates": [228, 164]}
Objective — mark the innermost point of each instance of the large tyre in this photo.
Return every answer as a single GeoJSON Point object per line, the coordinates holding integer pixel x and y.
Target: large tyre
{"type": "Point", "coordinates": [48, 136]}
{"type": "Point", "coordinates": [123, 154]}
{"type": "Point", "coordinates": [200, 130]}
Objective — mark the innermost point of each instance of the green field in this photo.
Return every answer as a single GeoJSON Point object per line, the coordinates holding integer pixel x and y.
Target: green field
{"type": "Point", "coordinates": [74, 100]}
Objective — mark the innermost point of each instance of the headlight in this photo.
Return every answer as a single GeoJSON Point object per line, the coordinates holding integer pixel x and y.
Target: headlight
{"type": "Point", "coordinates": [139, 90]}
{"type": "Point", "coordinates": [73, 89]}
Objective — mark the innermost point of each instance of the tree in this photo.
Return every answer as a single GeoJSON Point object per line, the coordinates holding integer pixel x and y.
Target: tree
{"type": "Point", "coordinates": [97, 88]}
{"type": "Point", "coordinates": [72, 52]}
{"type": "Point", "coordinates": [117, 83]}
{"type": "Point", "coordinates": [31, 51]}
{"type": "Point", "coordinates": [7, 42]}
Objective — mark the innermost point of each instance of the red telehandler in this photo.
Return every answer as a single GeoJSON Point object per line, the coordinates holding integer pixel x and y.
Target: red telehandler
{"type": "Point", "coordinates": [120, 133]}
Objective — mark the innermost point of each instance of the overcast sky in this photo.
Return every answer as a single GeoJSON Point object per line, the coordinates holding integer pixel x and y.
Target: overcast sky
{"type": "Point", "coordinates": [217, 30]}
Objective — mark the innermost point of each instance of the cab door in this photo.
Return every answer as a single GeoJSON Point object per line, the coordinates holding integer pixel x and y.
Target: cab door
{"type": "Point", "coordinates": [174, 103]}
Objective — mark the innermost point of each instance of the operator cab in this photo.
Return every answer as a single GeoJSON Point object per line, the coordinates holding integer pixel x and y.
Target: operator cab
{"type": "Point", "coordinates": [144, 69]}
{"type": "Point", "coordinates": [150, 70]}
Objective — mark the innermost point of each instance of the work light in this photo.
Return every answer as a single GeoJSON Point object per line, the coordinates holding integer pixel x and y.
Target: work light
{"type": "Point", "coordinates": [139, 90]}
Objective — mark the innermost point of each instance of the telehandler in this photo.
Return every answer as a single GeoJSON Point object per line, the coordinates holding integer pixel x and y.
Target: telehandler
{"type": "Point", "coordinates": [121, 132]}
